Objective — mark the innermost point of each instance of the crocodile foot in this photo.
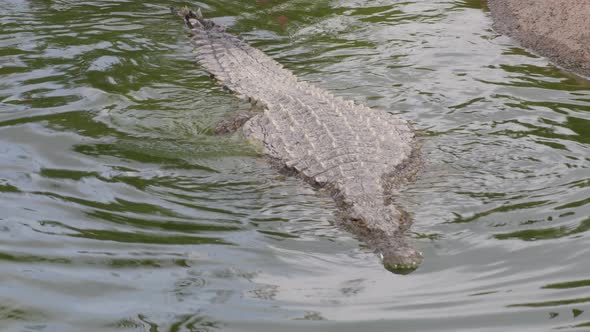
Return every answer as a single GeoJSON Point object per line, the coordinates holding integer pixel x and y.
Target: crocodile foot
{"type": "Point", "coordinates": [233, 122]}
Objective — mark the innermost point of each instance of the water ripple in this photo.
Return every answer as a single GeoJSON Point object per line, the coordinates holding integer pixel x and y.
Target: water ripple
{"type": "Point", "coordinates": [121, 210]}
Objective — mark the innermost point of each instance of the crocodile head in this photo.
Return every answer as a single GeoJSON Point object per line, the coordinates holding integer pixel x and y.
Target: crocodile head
{"type": "Point", "coordinates": [384, 229]}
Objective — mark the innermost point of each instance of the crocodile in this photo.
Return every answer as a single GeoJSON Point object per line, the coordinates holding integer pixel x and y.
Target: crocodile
{"type": "Point", "coordinates": [359, 155]}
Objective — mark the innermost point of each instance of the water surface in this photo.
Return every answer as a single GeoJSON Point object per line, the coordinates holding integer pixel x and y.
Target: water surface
{"type": "Point", "coordinates": [121, 212]}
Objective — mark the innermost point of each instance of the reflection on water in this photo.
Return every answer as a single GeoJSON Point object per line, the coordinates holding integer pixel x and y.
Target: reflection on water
{"type": "Point", "coordinates": [120, 210]}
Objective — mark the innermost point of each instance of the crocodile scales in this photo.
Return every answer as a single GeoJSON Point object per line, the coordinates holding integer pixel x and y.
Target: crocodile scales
{"type": "Point", "coordinates": [359, 155]}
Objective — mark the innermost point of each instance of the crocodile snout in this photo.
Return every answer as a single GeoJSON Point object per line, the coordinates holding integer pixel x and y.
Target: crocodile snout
{"type": "Point", "coordinates": [403, 260]}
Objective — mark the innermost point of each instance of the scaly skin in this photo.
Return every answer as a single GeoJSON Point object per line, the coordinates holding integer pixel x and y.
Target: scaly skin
{"type": "Point", "coordinates": [359, 155]}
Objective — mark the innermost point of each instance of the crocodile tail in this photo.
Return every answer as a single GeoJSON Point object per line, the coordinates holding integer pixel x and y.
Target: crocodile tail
{"type": "Point", "coordinates": [243, 69]}
{"type": "Point", "coordinates": [192, 19]}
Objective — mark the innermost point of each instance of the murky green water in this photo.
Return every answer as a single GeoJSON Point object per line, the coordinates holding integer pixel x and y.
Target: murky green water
{"type": "Point", "coordinates": [121, 212]}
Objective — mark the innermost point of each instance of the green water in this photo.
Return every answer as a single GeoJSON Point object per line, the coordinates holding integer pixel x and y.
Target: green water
{"type": "Point", "coordinates": [119, 211]}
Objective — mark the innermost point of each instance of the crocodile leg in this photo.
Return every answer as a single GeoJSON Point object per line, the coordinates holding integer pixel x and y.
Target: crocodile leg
{"type": "Point", "coordinates": [236, 120]}
{"type": "Point", "coordinates": [233, 122]}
